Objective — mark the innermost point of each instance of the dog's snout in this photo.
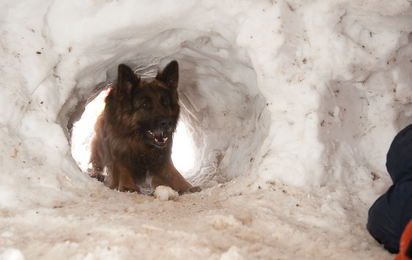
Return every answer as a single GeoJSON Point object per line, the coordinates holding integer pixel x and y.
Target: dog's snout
{"type": "Point", "coordinates": [165, 123]}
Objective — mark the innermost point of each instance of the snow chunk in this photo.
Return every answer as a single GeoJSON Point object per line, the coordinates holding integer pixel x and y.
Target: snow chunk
{"type": "Point", "coordinates": [164, 193]}
{"type": "Point", "coordinates": [232, 254]}
{"type": "Point", "coordinates": [222, 222]}
{"type": "Point", "coordinates": [12, 254]}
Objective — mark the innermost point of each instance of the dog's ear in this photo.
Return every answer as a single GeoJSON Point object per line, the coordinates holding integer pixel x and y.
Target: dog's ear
{"type": "Point", "coordinates": [170, 75]}
{"type": "Point", "coordinates": [126, 79]}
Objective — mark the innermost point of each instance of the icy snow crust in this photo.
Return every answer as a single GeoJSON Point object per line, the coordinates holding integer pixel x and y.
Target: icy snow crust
{"type": "Point", "coordinates": [291, 105]}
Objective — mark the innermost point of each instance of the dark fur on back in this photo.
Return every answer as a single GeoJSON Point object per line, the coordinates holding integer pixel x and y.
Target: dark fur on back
{"type": "Point", "coordinates": [134, 133]}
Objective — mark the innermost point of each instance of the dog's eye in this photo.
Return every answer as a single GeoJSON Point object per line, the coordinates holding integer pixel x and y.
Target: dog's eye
{"type": "Point", "coordinates": [146, 105]}
{"type": "Point", "coordinates": [165, 102]}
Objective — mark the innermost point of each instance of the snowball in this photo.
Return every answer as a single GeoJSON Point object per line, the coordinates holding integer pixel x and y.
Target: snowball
{"type": "Point", "coordinates": [164, 193]}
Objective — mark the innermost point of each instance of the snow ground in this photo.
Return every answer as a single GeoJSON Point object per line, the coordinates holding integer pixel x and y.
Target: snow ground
{"type": "Point", "coordinates": [291, 107]}
{"type": "Point", "coordinates": [224, 222]}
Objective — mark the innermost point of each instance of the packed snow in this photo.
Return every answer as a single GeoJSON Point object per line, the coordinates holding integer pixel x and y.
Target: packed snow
{"type": "Point", "coordinates": [290, 108]}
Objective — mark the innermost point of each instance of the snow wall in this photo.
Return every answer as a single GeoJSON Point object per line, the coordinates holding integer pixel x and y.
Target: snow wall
{"type": "Point", "coordinates": [307, 93]}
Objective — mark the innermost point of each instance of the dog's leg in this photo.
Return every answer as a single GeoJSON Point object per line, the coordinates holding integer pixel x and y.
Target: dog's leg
{"type": "Point", "coordinates": [169, 176]}
{"type": "Point", "coordinates": [119, 177]}
{"type": "Point", "coordinates": [96, 160]}
{"type": "Point", "coordinates": [112, 180]}
{"type": "Point", "coordinates": [97, 152]}
{"type": "Point", "coordinates": [126, 182]}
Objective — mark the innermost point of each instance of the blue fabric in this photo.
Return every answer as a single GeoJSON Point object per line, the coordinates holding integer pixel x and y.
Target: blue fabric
{"type": "Point", "coordinates": [399, 157]}
{"type": "Point", "coordinates": [390, 214]}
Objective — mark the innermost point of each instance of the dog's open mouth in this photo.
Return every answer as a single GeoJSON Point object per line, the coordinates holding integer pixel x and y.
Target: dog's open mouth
{"type": "Point", "coordinates": [159, 138]}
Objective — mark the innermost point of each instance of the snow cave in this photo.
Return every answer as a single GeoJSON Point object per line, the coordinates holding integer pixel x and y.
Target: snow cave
{"type": "Point", "coordinates": [289, 108]}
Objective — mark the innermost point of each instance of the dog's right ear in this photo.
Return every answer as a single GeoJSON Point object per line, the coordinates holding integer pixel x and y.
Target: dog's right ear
{"type": "Point", "coordinates": [126, 79]}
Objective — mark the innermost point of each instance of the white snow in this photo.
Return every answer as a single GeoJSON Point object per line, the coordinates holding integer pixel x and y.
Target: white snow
{"type": "Point", "coordinates": [290, 106]}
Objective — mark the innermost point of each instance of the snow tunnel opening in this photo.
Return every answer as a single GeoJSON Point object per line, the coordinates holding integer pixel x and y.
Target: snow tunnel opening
{"type": "Point", "coordinates": [223, 111]}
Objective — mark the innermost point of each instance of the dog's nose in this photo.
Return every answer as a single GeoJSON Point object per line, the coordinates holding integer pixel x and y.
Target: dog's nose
{"type": "Point", "coordinates": [165, 123]}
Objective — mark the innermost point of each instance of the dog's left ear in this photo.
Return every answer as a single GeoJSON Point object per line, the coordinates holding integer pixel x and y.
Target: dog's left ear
{"type": "Point", "coordinates": [170, 75]}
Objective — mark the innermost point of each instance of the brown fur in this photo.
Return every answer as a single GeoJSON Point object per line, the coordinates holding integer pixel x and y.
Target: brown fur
{"type": "Point", "coordinates": [134, 134]}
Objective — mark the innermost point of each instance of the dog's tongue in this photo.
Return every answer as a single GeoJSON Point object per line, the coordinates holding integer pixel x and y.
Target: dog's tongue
{"type": "Point", "coordinates": [158, 136]}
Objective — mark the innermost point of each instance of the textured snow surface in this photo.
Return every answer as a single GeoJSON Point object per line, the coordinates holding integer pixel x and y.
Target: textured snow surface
{"type": "Point", "coordinates": [290, 105]}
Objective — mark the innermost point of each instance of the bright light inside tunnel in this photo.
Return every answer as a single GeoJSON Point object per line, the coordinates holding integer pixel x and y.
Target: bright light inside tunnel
{"type": "Point", "coordinates": [83, 131]}
{"type": "Point", "coordinates": [182, 152]}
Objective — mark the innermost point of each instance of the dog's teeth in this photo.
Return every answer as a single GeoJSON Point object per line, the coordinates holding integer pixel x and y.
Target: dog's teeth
{"type": "Point", "coordinates": [156, 140]}
{"type": "Point", "coordinates": [165, 139]}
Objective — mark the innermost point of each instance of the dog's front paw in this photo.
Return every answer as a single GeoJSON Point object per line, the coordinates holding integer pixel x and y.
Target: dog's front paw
{"type": "Point", "coordinates": [194, 189]}
{"type": "Point", "coordinates": [125, 189]}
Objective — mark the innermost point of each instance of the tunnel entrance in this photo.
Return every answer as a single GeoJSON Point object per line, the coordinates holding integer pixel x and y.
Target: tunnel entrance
{"type": "Point", "coordinates": [223, 118]}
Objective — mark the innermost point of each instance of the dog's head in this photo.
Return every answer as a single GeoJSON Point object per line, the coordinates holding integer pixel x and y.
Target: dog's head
{"type": "Point", "coordinates": [148, 109]}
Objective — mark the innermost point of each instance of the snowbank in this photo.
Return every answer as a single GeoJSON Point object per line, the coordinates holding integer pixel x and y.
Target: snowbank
{"type": "Point", "coordinates": [309, 94]}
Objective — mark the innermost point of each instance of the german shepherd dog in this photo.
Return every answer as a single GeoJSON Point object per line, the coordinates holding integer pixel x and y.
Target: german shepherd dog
{"type": "Point", "coordinates": [134, 134]}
